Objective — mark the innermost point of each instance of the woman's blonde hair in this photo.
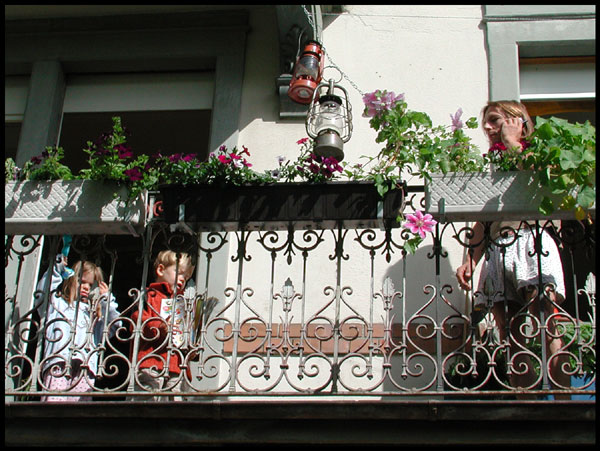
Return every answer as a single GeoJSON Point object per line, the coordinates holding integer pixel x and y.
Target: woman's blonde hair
{"type": "Point", "coordinates": [168, 258]}
{"type": "Point", "coordinates": [512, 108]}
{"type": "Point", "coordinates": [71, 284]}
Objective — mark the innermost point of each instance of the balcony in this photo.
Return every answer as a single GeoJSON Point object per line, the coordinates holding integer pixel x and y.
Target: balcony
{"type": "Point", "coordinates": [304, 328]}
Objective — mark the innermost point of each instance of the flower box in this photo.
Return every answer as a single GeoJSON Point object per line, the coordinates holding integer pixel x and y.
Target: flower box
{"type": "Point", "coordinates": [71, 207]}
{"type": "Point", "coordinates": [487, 196]}
{"type": "Point", "coordinates": [277, 206]}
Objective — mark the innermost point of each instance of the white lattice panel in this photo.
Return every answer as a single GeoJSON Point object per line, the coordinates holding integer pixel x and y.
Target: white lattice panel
{"type": "Point", "coordinates": [486, 196]}
{"type": "Point", "coordinates": [70, 206]}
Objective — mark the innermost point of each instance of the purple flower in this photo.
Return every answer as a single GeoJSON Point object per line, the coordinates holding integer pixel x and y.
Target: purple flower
{"type": "Point", "coordinates": [378, 102]}
{"type": "Point", "coordinates": [457, 124]}
{"type": "Point", "coordinates": [420, 223]}
{"type": "Point", "coordinates": [134, 174]}
{"type": "Point", "coordinates": [36, 160]}
{"type": "Point", "coordinates": [124, 151]}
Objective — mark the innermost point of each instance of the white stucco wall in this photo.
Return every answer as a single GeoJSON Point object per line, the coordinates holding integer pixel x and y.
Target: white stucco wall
{"type": "Point", "coordinates": [435, 55]}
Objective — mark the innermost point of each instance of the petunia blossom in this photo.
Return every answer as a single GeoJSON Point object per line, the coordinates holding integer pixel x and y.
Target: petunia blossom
{"type": "Point", "coordinates": [134, 174]}
{"type": "Point", "coordinates": [420, 223]}
{"type": "Point", "coordinates": [225, 160]}
{"type": "Point", "coordinates": [124, 151]}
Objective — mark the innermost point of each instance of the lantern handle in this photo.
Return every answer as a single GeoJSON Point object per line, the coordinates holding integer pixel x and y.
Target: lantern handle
{"type": "Point", "coordinates": [336, 68]}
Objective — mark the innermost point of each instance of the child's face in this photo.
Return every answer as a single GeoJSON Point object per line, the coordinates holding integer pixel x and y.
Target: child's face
{"type": "Point", "coordinates": [167, 274]}
{"type": "Point", "coordinates": [87, 280]}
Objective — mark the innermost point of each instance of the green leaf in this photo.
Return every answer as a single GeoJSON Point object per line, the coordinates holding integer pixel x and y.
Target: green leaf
{"type": "Point", "coordinates": [444, 166]}
{"type": "Point", "coordinates": [472, 122]}
{"type": "Point", "coordinates": [410, 246]}
{"type": "Point", "coordinates": [570, 159]}
{"type": "Point", "coordinates": [545, 131]}
{"type": "Point", "coordinates": [586, 197]}
{"type": "Point", "coordinates": [546, 207]}
{"type": "Point", "coordinates": [544, 176]}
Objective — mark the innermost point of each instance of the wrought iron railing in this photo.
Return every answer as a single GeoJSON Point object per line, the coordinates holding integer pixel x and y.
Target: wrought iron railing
{"type": "Point", "coordinates": [335, 312]}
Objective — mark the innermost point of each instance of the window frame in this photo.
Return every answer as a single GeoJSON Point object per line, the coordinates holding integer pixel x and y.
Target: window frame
{"type": "Point", "coordinates": [531, 30]}
{"type": "Point", "coordinates": [213, 41]}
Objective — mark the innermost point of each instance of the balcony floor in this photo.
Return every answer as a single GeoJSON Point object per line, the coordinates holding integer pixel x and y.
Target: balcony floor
{"type": "Point", "coordinates": [339, 422]}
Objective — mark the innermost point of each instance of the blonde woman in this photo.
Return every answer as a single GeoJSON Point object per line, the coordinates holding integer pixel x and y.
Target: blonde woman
{"type": "Point", "coordinates": [511, 275]}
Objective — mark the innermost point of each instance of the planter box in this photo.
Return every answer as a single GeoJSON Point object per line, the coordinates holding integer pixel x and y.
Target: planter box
{"type": "Point", "coordinates": [71, 207]}
{"type": "Point", "coordinates": [279, 206]}
{"type": "Point", "coordinates": [484, 196]}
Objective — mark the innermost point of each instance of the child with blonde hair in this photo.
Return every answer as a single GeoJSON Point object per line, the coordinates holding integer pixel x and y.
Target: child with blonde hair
{"type": "Point", "coordinates": [159, 356]}
{"type": "Point", "coordinates": [77, 316]}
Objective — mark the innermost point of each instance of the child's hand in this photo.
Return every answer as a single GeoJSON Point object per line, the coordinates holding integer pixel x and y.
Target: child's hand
{"type": "Point", "coordinates": [103, 288]}
{"type": "Point", "coordinates": [99, 309]}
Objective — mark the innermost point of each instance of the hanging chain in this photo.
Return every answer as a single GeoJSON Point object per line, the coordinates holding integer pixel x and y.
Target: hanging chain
{"type": "Point", "coordinates": [332, 63]}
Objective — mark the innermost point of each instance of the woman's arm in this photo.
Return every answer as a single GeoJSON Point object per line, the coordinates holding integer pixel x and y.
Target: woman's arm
{"type": "Point", "coordinates": [465, 271]}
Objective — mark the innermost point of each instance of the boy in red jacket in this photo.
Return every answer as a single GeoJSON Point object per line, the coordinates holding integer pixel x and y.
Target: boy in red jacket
{"type": "Point", "coordinates": [157, 348]}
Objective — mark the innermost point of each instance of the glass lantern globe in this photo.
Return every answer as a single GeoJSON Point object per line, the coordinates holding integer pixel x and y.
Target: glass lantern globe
{"type": "Point", "coordinates": [330, 115]}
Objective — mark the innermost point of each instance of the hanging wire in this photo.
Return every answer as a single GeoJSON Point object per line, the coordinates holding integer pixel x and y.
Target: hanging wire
{"type": "Point", "coordinates": [332, 63]}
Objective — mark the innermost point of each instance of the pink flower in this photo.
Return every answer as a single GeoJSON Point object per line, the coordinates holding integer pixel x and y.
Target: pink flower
{"type": "Point", "coordinates": [223, 159]}
{"type": "Point", "coordinates": [378, 102]}
{"type": "Point", "coordinates": [457, 124]}
{"type": "Point", "coordinates": [420, 223]}
{"type": "Point", "coordinates": [302, 141]}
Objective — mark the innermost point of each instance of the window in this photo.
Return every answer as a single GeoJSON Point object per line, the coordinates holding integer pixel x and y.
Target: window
{"type": "Point", "coordinates": [559, 86]}
{"type": "Point", "coordinates": [166, 112]}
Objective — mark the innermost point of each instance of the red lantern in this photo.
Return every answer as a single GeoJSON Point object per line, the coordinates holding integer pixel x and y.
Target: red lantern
{"type": "Point", "coordinates": [308, 73]}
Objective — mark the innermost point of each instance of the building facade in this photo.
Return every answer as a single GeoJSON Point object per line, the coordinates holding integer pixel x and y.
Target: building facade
{"type": "Point", "coordinates": [195, 78]}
